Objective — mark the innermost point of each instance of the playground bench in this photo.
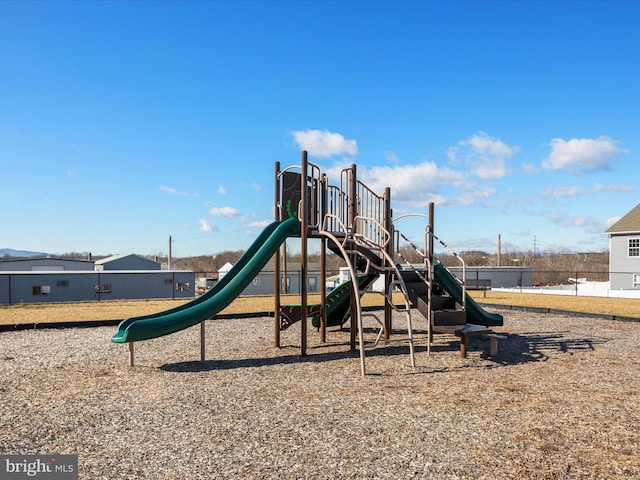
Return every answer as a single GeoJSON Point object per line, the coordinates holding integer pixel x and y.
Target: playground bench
{"type": "Point", "coordinates": [483, 284]}
{"type": "Point", "coordinates": [470, 331]}
{"type": "Point", "coordinates": [494, 337]}
{"type": "Point", "coordinates": [466, 331]}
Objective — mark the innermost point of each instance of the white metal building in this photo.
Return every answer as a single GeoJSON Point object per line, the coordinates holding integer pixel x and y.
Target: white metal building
{"type": "Point", "coordinates": [263, 283]}
{"type": "Point", "coordinates": [57, 280]}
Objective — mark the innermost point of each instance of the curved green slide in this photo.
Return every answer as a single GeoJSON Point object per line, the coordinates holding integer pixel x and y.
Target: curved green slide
{"type": "Point", "coordinates": [475, 313]}
{"type": "Point", "coordinates": [218, 298]}
{"type": "Point", "coordinates": [339, 301]}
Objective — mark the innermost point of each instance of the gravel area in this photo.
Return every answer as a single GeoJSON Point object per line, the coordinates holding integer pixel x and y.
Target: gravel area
{"type": "Point", "coordinates": [560, 400]}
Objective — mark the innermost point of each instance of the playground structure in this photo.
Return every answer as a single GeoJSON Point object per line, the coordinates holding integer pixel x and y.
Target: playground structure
{"type": "Point", "coordinates": [356, 223]}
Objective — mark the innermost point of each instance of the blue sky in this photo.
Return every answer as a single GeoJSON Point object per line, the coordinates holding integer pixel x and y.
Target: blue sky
{"type": "Point", "coordinates": [122, 123]}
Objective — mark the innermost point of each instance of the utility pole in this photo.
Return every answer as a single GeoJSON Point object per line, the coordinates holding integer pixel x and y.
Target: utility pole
{"type": "Point", "coordinates": [169, 255]}
{"type": "Point", "coordinates": [535, 246]}
{"type": "Point", "coordinates": [499, 249]}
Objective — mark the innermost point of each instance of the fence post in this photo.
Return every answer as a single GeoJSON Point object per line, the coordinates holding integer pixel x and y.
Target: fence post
{"type": "Point", "coordinates": [520, 282]}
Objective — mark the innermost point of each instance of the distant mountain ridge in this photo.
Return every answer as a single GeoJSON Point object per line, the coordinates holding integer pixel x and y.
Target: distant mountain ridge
{"type": "Point", "coordinates": [10, 252]}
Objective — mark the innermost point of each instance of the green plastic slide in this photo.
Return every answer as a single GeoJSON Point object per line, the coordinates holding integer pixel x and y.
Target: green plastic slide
{"type": "Point", "coordinates": [475, 313]}
{"type": "Point", "coordinates": [218, 298]}
{"type": "Point", "coordinates": [339, 301]}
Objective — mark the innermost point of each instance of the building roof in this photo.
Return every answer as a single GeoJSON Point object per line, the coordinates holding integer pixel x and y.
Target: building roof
{"type": "Point", "coordinates": [45, 260]}
{"type": "Point", "coordinates": [225, 268]}
{"type": "Point", "coordinates": [49, 264]}
{"type": "Point", "coordinates": [630, 223]}
{"type": "Point", "coordinates": [113, 258]}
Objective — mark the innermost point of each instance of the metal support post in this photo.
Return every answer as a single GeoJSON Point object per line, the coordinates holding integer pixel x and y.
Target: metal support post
{"type": "Point", "coordinates": [303, 215]}
{"type": "Point", "coordinates": [276, 267]}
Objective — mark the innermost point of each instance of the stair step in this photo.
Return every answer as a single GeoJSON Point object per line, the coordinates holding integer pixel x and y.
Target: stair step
{"type": "Point", "coordinates": [411, 276]}
{"type": "Point", "coordinates": [442, 302]}
{"type": "Point", "coordinates": [449, 317]}
{"type": "Point", "coordinates": [419, 288]}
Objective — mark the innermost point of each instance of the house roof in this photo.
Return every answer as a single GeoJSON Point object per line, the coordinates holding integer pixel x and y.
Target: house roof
{"type": "Point", "coordinates": [630, 223]}
{"type": "Point", "coordinates": [225, 268]}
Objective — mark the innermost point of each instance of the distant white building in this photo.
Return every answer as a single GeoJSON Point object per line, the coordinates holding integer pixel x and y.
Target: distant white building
{"type": "Point", "coordinates": [343, 276]}
{"type": "Point", "coordinates": [263, 283]}
{"type": "Point", "coordinates": [121, 277]}
{"type": "Point", "coordinates": [127, 262]}
{"type": "Point", "coordinates": [223, 270]}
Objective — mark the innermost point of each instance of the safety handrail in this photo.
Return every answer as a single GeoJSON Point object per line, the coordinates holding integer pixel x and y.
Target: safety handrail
{"type": "Point", "coordinates": [335, 220]}
{"type": "Point", "coordinates": [426, 280]}
{"type": "Point", "coordinates": [369, 203]}
{"type": "Point", "coordinates": [370, 232]}
{"type": "Point", "coordinates": [463, 281]}
{"type": "Point", "coordinates": [337, 208]}
{"type": "Point", "coordinates": [429, 234]}
{"type": "Point", "coordinates": [356, 290]}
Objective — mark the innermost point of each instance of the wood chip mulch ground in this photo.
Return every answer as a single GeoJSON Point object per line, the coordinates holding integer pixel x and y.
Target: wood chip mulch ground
{"type": "Point", "coordinates": [560, 400]}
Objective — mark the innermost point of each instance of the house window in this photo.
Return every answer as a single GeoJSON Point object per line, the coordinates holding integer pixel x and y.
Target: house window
{"type": "Point", "coordinates": [41, 289]}
{"type": "Point", "coordinates": [63, 283]}
{"type": "Point", "coordinates": [636, 280]}
{"type": "Point", "coordinates": [313, 284]}
{"type": "Point", "coordinates": [168, 281]}
{"type": "Point", "coordinates": [634, 247]}
{"type": "Point", "coordinates": [183, 287]}
{"type": "Point", "coordinates": [256, 281]}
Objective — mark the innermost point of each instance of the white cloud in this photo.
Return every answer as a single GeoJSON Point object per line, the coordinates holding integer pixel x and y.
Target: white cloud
{"type": "Point", "coordinates": [258, 223]}
{"type": "Point", "coordinates": [564, 191]}
{"type": "Point", "coordinates": [598, 187]}
{"type": "Point", "coordinates": [585, 222]}
{"type": "Point", "coordinates": [471, 192]}
{"type": "Point", "coordinates": [173, 191]}
{"type": "Point", "coordinates": [581, 220]}
{"type": "Point", "coordinates": [391, 157]}
{"type": "Point", "coordinates": [229, 212]}
{"type": "Point", "coordinates": [419, 184]}
{"type": "Point", "coordinates": [574, 191]}
{"type": "Point", "coordinates": [323, 143]}
{"type": "Point", "coordinates": [206, 226]}
{"type": "Point", "coordinates": [487, 156]}
{"type": "Point", "coordinates": [408, 178]}
{"type": "Point", "coordinates": [335, 170]}
{"type": "Point", "coordinates": [416, 185]}
{"type": "Point", "coordinates": [222, 190]}
{"type": "Point", "coordinates": [580, 156]}
{"type": "Point", "coordinates": [530, 168]}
